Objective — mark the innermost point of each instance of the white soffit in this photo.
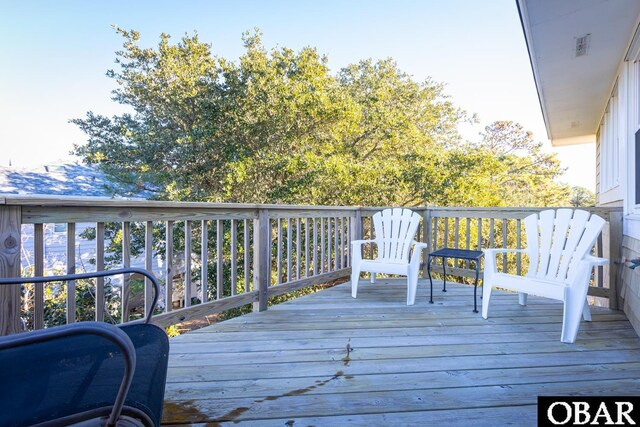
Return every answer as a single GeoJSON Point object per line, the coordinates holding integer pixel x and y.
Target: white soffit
{"type": "Point", "coordinates": [574, 90]}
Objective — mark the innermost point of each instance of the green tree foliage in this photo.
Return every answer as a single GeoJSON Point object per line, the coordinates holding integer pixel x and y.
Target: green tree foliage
{"type": "Point", "coordinates": [582, 197]}
{"type": "Point", "coordinates": [513, 169]}
{"type": "Point", "coordinates": [276, 126]}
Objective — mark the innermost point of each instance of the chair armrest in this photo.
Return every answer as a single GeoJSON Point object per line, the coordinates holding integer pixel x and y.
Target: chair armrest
{"type": "Point", "coordinates": [596, 261]}
{"type": "Point", "coordinates": [419, 245]}
{"type": "Point", "coordinates": [490, 266]}
{"type": "Point", "coordinates": [109, 332]}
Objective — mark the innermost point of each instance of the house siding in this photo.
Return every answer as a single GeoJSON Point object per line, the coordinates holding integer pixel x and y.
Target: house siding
{"type": "Point", "coordinates": [628, 280]}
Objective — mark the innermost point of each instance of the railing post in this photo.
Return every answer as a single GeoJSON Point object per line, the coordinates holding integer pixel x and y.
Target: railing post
{"type": "Point", "coordinates": [615, 246]}
{"type": "Point", "coordinates": [261, 259]}
{"type": "Point", "coordinates": [10, 218]}
{"type": "Point", "coordinates": [426, 238]}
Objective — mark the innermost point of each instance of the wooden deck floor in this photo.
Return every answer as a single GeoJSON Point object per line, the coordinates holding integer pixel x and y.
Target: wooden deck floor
{"type": "Point", "coordinates": [330, 360]}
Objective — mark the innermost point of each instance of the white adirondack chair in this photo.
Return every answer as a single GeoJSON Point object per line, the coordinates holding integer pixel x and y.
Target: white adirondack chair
{"type": "Point", "coordinates": [559, 244]}
{"type": "Point", "coordinates": [395, 229]}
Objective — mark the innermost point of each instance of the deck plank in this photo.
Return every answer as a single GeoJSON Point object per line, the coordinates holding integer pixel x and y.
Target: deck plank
{"type": "Point", "coordinates": [329, 359]}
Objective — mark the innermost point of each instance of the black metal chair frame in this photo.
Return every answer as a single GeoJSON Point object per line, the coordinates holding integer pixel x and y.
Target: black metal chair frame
{"type": "Point", "coordinates": [104, 330]}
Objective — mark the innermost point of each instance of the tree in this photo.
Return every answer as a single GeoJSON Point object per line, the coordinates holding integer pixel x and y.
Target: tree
{"type": "Point", "coordinates": [582, 197]}
{"type": "Point", "coordinates": [277, 127]}
{"type": "Point", "coordinates": [272, 127]}
{"type": "Point", "coordinates": [521, 173]}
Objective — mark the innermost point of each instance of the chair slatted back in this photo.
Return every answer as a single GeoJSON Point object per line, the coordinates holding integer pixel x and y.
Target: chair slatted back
{"type": "Point", "coordinates": [558, 239]}
{"type": "Point", "coordinates": [395, 229]}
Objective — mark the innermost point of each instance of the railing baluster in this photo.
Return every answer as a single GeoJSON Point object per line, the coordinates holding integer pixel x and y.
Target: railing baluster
{"type": "Point", "coordinates": [456, 232]}
{"type": "Point", "coordinates": [307, 264]}
{"type": "Point", "coordinates": [435, 233]}
{"type": "Point", "coordinates": [126, 262]}
{"type": "Point", "coordinates": [187, 263]}
{"type": "Point", "coordinates": [100, 302]}
{"type": "Point", "coordinates": [446, 231]}
{"type": "Point", "coordinates": [518, 246]}
{"type": "Point", "coordinates": [348, 234]}
{"type": "Point", "coordinates": [298, 248]}
{"type": "Point", "coordinates": [219, 259]}
{"type": "Point", "coordinates": [148, 264]}
{"type": "Point", "coordinates": [329, 244]}
{"type": "Point", "coordinates": [322, 253]}
{"type": "Point", "coordinates": [234, 255]}
{"type": "Point", "coordinates": [315, 246]}
{"type": "Point", "coordinates": [504, 245]}
{"type": "Point", "coordinates": [467, 241]}
{"type": "Point", "coordinates": [168, 288]}
{"type": "Point", "coordinates": [38, 270]}
{"type": "Point", "coordinates": [491, 232]}
{"type": "Point", "coordinates": [71, 269]}
{"type": "Point", "coordinates": [279, 253]}
{"type": "Point", "coordinates": [204, 260]}
{"type": "Point", "coordinates": [247, 282]}
{"type": "Point", "coordinates": [289, 233]}
{"type": "Point", "coordinates": [336, 249]}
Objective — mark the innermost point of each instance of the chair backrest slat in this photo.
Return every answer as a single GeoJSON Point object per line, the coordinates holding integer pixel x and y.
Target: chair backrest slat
{"type": "Point", "coordinates": [395, 229]}
{"type": "Point", "coordinates": [591, 232]}
{"type": "Point", "coordinates": [396, 223]}
{"type": "Point", "coordinates": [545, 223]}
{"type": "Point", "coordinates": [405, 237]}
{"type": "Point", "coordinates": [561, 228]}
{"type": "Point", "coordinates": [558, 239]}
{"type": "Point", "coordinates": [531, 228]}
{"type": "Point", "coordinates": [576, 230]}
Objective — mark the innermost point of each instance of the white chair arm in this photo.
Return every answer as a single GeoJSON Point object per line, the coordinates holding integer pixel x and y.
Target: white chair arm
{"type": "Point", "coordinates": [417, 250]}
{"type": "Point", "coordinates": [490, 266]}
{"type": "Point", "coordinates": [419, 245]}
{"type": "Point", "coordinates": [596, 261]}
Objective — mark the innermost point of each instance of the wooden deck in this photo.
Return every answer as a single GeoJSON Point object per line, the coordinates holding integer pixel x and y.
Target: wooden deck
{"type": "Point", "coordinates": [330, 360]}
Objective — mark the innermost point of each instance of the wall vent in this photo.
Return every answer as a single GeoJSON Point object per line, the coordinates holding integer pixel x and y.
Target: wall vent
{"type": "Point", "coordinates": [582, 45]}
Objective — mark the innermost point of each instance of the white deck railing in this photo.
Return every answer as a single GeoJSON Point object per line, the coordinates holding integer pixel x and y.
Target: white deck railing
{"type": "Point", "coordinates": [215, 257]}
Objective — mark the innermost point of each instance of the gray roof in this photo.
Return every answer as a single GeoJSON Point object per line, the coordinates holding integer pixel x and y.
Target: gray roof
{"type": "Point", "coordinates": [62, 179]}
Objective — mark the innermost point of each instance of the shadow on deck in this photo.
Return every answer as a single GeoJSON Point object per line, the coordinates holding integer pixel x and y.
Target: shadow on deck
{"type": "Point", "coordinates": [330, 360]}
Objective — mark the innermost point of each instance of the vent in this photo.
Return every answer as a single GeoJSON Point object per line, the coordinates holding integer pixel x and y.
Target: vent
{"type": "Point", "coordinates": [582, 45]}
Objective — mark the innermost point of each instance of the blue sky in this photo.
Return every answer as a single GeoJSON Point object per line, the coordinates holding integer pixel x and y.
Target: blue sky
{"type": "Point", "coordinates": [55, 55]}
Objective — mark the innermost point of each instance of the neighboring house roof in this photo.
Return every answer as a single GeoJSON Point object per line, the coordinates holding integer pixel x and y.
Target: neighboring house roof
{"type": "Point", "coordinates": [575, 48]}
{"type": "Point", "coordinates": [61, 179]}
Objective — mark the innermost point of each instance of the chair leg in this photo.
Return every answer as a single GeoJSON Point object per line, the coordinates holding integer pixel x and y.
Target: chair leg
{"type": "Point", "coordinates": [486, 297]}
{"type": "Point", "coordinates": [522, 298]}
{"type": "Point", "coordinates": [373, 277]}
{"type": "Point", "coordinates": [355, 276]}
{"type": "Point", "coordinates": [412, 287]}
{"type": "Point", "coordinates": [573, 311]}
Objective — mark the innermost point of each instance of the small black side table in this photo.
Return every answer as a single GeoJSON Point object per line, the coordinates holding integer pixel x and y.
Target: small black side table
{"type": "Point", "coordinates": [445, 253]}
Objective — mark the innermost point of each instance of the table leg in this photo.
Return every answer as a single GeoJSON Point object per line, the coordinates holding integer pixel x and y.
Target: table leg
{"type": "Point", "coordinates": [444, 272]}
{"type": "Point", "coordinates": [430, 280]}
